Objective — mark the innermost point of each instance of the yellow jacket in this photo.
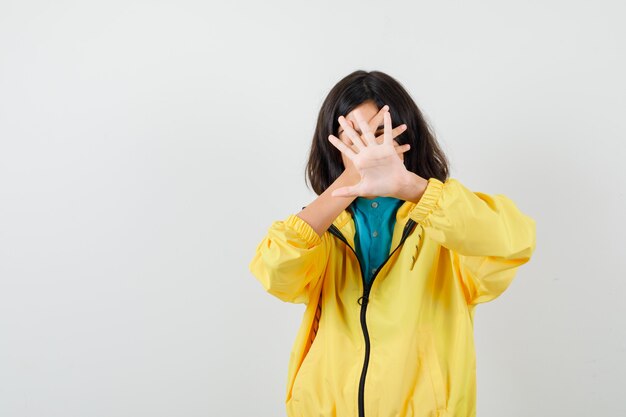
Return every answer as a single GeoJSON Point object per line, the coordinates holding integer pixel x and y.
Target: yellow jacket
{"type": "Point", "coordinates": [404, 345]}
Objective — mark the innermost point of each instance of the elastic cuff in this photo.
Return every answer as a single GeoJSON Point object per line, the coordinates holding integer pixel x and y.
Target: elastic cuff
{"type": "Point", "coordinates": [428, 201]}
{"type": "Point", "coordinates": [304, 230]}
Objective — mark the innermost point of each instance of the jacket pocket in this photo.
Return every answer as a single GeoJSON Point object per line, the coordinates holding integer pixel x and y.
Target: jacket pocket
{"type": "Point", "coordinates": [430, 358]}
{"type": "Point", "coordinates": [302, 380]}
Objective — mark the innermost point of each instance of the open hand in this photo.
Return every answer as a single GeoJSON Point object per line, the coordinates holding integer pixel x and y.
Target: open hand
{"type": "Point", "coordinates": [379, 165]}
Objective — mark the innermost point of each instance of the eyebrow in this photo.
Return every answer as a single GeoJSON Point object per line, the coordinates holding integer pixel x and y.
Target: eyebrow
{"type": "Point", "coordinates": [359, 130]}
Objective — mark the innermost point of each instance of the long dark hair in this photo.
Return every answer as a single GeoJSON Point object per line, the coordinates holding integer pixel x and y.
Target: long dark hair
{"type": "Point", "coordinates": [425, 158]}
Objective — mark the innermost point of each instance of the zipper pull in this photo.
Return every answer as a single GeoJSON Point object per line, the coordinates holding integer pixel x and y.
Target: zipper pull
{"type": "Point", "coordinates": [364, 299]}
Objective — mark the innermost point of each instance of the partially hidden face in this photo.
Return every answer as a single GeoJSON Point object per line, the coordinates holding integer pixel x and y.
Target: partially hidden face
{"type": "Point", "coordinates": [367, 110]}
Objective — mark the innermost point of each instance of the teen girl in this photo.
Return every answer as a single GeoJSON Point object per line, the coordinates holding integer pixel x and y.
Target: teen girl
{"type": "Point", "coordinates": [390, 260]}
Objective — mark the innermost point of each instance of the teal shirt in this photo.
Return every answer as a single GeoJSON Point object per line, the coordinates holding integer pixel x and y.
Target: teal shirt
{"type": "Point", "coordinates": [374, 221]}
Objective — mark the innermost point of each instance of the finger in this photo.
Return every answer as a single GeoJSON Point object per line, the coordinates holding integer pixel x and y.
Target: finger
{"type": "Point", "coordinates": [367, 133]}
{"type": "Point", "coordinates": [351, 133]}
{"type": "Point", "coordinates": [394, 133]}
{"type": "Point", "coordinates": [402, 148]}
{"type": "Point", "coordinates": [345, 139]}
{"type": "Point", "coordinates": [388, 138]}
{"type": "Point", "coordinates": [349, 143]}
{"type": "Point", "coordinates": [338, 143]}
{"type": "Point", "coordinates": [377, 120]}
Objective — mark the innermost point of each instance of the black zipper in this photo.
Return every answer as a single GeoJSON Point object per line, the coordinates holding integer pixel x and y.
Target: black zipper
{"type": "Point", "coordinates": [363, 301]}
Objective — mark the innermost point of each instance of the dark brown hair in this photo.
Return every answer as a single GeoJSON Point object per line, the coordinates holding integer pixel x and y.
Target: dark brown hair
{"type": "Point", "coordinates": [425, 158]}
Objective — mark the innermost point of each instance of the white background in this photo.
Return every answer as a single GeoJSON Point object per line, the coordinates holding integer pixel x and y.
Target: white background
{"type": "Point", "coordinates": [146, 147]}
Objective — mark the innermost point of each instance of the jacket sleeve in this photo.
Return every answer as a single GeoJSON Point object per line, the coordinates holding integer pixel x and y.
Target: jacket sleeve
{"type": "Point", "coordinates": [487, 235]}
{"type": "Point", "coordinates": [290, 260]}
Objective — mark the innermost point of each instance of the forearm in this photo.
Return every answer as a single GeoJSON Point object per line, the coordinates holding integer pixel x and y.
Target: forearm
{"type": "Point", "coordinates": [473, 223]}
{"type": "Point", "coordinates": [322, 211]}
{"type": "Point", "coordinates": [289, 261]}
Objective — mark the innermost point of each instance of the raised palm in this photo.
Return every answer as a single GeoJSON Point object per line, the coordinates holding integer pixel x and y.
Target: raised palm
{"type": "Point", "coordinates": [379, 165]}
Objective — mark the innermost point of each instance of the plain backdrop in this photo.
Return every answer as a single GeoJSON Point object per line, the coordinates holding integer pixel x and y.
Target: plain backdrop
{"type": "Point", "coordinates": [146, 147]}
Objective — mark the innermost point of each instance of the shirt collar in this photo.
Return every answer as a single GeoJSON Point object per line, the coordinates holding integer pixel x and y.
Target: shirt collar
{"type": "Point", "coordinates": [345, 222]}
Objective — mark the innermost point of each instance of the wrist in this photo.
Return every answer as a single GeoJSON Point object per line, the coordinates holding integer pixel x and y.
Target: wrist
{"type": "Point", "coordinates": [348, 177]}
{"type": "Point", "coordinates": [412, 188]}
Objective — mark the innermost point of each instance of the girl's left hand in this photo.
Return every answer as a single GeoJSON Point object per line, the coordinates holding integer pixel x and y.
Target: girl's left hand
{"type": "Point", "coordinates": [382, 171]}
